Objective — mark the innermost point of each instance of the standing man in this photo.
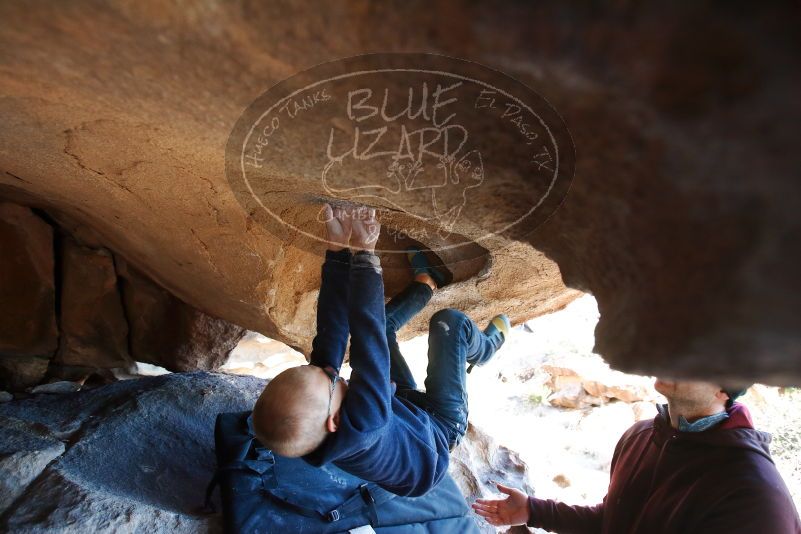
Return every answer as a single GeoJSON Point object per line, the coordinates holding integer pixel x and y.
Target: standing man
{"type": "Point", "coordinates": [698, 466]}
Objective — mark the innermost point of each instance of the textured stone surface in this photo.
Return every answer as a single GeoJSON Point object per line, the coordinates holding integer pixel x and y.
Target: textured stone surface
{"type": "Point", "coordinates": [28, 331]}
{"type": "Point", "coordinates": [25, 451]}
{"type": "Point", "coordinates": [20, 372]}
{"type": "Point", "coordinates": [684, 207]}
{"type": "Point", "coordinates": [682, 218]}
{"type": "Point", "coordinates": [90, 325]}
{"type": "Point", "coordinates": [479, 462]}
{"type": "Point", "coordinates": [137, 459]}
{"type": "Point", "coordinates": [94, 332]}
{"type": "Point", "coordinates": [576, 381]}
{"type": "Point", "coordinates": [135, 143]}
{"type": "Point", "coordinates": [167, 332]}
{"type": "Point", "coordinates": [62, 386]}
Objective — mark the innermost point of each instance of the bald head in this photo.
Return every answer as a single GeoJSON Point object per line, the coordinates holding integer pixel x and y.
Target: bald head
{"type": "Point", "coordinates": [290, 416]}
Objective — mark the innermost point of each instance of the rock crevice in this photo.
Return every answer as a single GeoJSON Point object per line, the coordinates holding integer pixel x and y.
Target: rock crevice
{"type": "Point", "coordinates": [71, 308]}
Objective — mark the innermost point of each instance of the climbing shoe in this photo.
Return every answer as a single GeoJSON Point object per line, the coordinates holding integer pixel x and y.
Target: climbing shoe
{"type": "Point", "coordinates": [420, 265]}
{"type": "Point", "coordinates": [497, 331]}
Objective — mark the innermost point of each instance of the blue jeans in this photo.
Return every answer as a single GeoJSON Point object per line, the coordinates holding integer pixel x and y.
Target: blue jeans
{"type": "Point", "coordinates": [453, 342]}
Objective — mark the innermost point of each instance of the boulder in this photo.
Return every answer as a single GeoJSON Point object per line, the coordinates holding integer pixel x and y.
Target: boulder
{"type": "Point", "coordinates": [561, 480]}
{"type": "Point", "coordinates": [626, 392]}
{"type": "Point", "coordinates": [154, 191]}
{"type": "Point", "coordinates": [574, 397]}
{"type": "Point", "coordinates": [681, 218]}
{"type": "Point", "coordinates": [62, 386]}
{"type": "Point", "coordinates": [169, 333]}
{"type": "Point", "coordinates": [479, 462]}
{"type": "Point", "coordinates": [579, 381]}
{"type": "Point", "coordinates": [94, 332]}
{"type": "Point", "coordinates": [20, 372]}
{"type": "Point", "coordinates": [26, 449]}
{"type": "Point", "coordinates": [28, 331]}
{"type": "Point", "coordinates": [132, 456]}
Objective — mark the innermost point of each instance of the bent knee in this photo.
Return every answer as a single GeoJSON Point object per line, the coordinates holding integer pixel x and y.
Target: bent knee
{"type": "Point", "coordinates": [446, 319]}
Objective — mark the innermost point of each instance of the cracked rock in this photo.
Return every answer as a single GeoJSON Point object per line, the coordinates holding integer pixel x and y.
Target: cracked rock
{"type": "Point", "coordinates": [133, 456]}
{"type": "Point", "coordinates": [25, 450]}
{"type": "Point", "coordinates": [28, 332]}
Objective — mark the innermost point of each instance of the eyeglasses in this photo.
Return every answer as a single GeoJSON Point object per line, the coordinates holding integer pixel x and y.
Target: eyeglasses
{"type": "Point", "coordinates": [334, 376]}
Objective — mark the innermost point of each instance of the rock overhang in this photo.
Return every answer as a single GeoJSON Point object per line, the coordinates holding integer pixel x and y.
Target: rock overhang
{"type": "Point", "coordinates": [680, 219]}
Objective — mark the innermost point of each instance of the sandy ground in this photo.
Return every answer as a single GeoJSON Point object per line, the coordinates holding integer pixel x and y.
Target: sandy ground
{"type": "Point", "coordinates": [568, 451]}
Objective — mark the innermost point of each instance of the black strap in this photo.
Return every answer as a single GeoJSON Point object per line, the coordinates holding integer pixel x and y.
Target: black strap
{"type": "Point", "coordinates": [368, 499]}
{"type": "Point", "coordinates": [368, 496]}
{"type": "Point", "coordinates": [362, 498]}
{"type": "Point", "coordinates": [298, 509]}
{"type": "Point", "coordinates": [208, 505]}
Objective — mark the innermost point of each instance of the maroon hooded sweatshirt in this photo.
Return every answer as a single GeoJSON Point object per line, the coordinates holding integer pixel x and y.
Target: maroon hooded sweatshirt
{"type": "Point", "coordinates": [662, 480]}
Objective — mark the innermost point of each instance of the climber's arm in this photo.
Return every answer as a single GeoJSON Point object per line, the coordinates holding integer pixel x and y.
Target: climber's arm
{"type": "Point", "coordinates": [328, 347]}
{"type": "Point", "coordinates": [368, 403]}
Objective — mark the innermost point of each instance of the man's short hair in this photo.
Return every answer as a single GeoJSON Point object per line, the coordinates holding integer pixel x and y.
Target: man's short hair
{"type": "Point", "coordinates": [289, 417]}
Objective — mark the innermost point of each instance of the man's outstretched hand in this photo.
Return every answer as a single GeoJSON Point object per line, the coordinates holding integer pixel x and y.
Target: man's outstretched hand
{"type": "Point", "coordinates": [512, 510]}
{"type": "Point", "coordinates": [338, 226]}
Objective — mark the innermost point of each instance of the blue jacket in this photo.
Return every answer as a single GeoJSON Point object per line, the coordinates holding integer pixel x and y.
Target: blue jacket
{"type": "Point", "coordinates": [381, 438]}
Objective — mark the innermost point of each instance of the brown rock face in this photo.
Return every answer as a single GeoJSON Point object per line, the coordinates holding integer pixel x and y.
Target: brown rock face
{"type": "Point", "coordinates": [681, 219]}
{"type": "Point", "coordinates": [75, 305]}
{"type": "Point", "coordinates": [684, 207]}
{"type": "Point", "coordinates": [94, 332]}
{"type": "Point", "coordinates": [148, 177]}
{"type": "Point", "coordinates": [167, 332]}
{"type": "Point", "coordinates": [28, 332]}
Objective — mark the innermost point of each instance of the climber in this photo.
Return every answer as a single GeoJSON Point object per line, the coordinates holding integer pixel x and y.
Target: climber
{"type": "Point", "coordinates": [377, 426]}
{"type": "Point", "coordinates": [698, 466]}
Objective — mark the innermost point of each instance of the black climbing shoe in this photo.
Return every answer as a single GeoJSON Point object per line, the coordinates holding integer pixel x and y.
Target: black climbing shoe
{"type": "Point", "coordinates": [420, 265]}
